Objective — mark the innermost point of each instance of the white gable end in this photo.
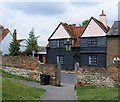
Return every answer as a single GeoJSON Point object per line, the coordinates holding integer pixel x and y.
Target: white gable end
{"type": "Point", "coordinates": [5, 43]}
{"type": "Point", "coordinates": [23, 45]}
{"type": "Point", "coordinates": [93, 30]}
{"type": "Point", "coordinates": [60, 33]}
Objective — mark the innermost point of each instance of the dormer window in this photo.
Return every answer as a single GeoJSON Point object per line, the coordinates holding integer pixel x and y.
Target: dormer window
{"type": "Point", "coordinates": [92, 41]}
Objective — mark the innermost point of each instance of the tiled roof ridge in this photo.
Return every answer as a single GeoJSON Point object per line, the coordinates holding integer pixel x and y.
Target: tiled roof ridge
{"type": "Point", "coordinates": [106, 29]}
{"type": "Point", "coordinates": [75, 32]}
{"type": "Point", "coordinates": [71, 30]}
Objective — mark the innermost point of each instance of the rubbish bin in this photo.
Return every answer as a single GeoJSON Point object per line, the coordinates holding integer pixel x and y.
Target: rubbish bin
{"type": "Point", "coordinates": [44, 79]}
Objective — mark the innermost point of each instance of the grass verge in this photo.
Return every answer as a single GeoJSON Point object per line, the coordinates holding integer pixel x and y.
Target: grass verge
{"type": "Point", "coordinates": [12, 90]}
{"type": "Point", "coordinates": [97, 93]}
{"type": "Point", "coordinates": [16, 91]}
{"type": "Point", "coordinates": [8, 75]}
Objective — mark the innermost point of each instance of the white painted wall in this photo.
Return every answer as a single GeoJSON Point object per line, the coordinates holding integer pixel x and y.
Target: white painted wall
{"type": "Point", "coordinates": [23, 45]}
{"type": "Point", "coordinates": [60, 33]}
{"type": "Point", "coordinates": [5, 43]}
{"type": "Point", "coordinates": [93, 30]}
{"type": "Point", "coordinates": [103, 20]}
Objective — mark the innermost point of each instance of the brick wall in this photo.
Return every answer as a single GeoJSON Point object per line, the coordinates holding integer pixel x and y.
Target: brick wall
{"type": "Point", "coordinates": [28, 62]}
{"type": "Point", "coordinates": [114, 72]}
{"type": "Point", "coordinates": [28, 66]}
{"type": "Point", "coordinates": [113, 48]}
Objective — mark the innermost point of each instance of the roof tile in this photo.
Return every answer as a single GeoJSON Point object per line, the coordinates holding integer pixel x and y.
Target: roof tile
{"type": "Point", "coordinates": [3, 32]}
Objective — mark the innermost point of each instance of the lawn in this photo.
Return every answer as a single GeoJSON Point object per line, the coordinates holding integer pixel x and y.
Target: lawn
{"type": "Point", "coordinates": [97, 93]}
{"type": "Point", "coordinates": [16, 91]}
{"type": "Point", "coordinates": [8, 75]}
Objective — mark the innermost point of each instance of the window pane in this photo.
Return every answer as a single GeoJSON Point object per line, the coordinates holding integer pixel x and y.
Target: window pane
{"type": "Point", "coordinates": [58, 43]}
{"type": "Point", "coordinates": [60, 59]}
{"type": "Point", "coordinates": [93, 60]}
{"type": "Point", "coordinates": [92, 41]}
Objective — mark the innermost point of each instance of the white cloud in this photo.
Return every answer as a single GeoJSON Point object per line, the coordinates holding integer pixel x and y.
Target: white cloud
{"type": "Point", "coordinates": [45, 24]}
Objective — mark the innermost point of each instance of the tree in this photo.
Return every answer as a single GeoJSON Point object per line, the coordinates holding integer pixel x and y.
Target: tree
{"type": "Point", "coordinates": [31, 43]}
{"type": "Point", "coordinates": [14, 48]}
{"type": "Point", "coordinates": [85, 23]}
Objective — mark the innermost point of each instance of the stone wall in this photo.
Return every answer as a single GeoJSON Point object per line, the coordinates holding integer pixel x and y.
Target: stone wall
{"type": "Point", "coordinates": [28, 66]}
{"type": "Point", "coordinates": [101, 77]}
{"type": "Point", "coordinates": [114, 73]}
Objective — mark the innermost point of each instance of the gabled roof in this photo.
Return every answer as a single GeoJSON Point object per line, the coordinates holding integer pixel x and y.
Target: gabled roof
{"type": "Point", "coordinates": [20, 40]}
{"type": "Point", "coordinates": [3, 32]}
{"type": "Point", "coordinates": [100, 24]}
{"type": "Point", "coordinates": [115, 29]}
{"type": "Point", "coordinates": [73, 31]}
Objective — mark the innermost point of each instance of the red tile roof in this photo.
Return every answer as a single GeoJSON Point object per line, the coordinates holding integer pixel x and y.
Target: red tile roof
{"type": "Point", "coordinates": [73, 31]}
{"type": "Point", "coordinates": [3, 32]}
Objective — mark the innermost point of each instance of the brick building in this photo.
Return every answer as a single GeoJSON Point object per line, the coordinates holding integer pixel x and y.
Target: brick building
{"type": "Point", "coordinates": [113, 44]}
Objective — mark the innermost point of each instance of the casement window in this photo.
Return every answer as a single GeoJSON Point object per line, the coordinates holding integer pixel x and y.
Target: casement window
{"type": "Point", "coordinates": [92, 41]}
{"type": "Point", "coordinates": [93, 60]}
{"type": "Point", "coordinates": [58, 43]}
{"type": "Point", "coordinates": [60, 59]}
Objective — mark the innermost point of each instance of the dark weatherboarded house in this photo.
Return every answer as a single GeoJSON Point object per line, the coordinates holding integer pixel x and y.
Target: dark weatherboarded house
{"type": "Point", "coordinates": [56, 47]}
{"type": "Point", "coordinates": [93, 43]}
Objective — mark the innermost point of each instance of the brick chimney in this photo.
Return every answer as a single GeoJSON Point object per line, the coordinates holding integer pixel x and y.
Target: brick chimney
{"type": "Point", "coordinates": [15, 34]}
{"type": "Point", "coordinates": [73, 25]}
{"type": "Point", "coordinates": [103, 18]}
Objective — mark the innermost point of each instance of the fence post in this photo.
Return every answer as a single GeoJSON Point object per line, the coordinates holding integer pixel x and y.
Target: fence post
{"type": "Point", "coordinates": [58, 74]}
{"type": "Point", "coordinates": [76, 73]}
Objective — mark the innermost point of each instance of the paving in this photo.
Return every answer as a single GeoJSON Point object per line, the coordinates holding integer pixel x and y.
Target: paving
{"type": "Point", "coordinates": [65, 92]}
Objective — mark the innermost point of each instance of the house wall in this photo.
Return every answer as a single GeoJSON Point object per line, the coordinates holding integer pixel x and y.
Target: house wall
{"type": "Point", "coordinates": [84, 59]}
{"type": "Point", "coordinates": [53, 43]}
{"type": "Point", "coordinates": [60, 33]}
{"type": "Point", "coordinates": [99, 50]}
{"type": "Point", "coordinates": [69, 56]}
{"type": "Point", "coordinates": [93, 30]}
{"type": "Point", "coordinates": [52, 54]}
{"type": "Point", "coordinates": [23, 45]}
{"type": "Point", "coordinates": [6, 43]}
{"type": "Point", "coordinates": [113, 48]}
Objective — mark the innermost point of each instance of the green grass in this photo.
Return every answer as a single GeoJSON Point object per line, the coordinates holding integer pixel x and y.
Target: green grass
{"type": "Point", "coordinates": [97, 93]}
{"type": "Point", "coordinates": [8, 75]}
{"type": "Point", "coordinates": [12, 90]}
{"type": "Point", "coordinates": [16, 91]}
{"type": "Point", "coordinates": [0, 88]}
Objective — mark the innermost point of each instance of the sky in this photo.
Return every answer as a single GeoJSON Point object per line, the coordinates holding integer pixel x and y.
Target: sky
{"type": "Point", "coordinates": [46, 16]}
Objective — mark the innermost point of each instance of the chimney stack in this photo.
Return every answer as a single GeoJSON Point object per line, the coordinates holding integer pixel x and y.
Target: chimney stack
{"type": "Point", "coordinates": [103, 19]}
{"type": "Point", "coordinates": [73, 25]}
{"type": "Point", "coordinates": [15, 34]}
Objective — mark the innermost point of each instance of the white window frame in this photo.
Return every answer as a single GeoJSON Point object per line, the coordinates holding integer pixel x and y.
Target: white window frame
{"type": "Point", "coordinates": [93, 41]}
{"type": "Point", "coordinates": [58, 43]}
{"type": "Point", "coordinates": [60, 58]}
{"type": "Point", "coordinates": [93, 60]}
